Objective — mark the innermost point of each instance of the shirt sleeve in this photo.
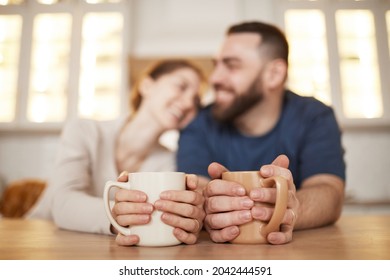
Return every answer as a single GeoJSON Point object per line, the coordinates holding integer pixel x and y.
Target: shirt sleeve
{"type": "Point", "coordinates": [322, 151]}
{"type": "Point", "coordinates": [74, 207]}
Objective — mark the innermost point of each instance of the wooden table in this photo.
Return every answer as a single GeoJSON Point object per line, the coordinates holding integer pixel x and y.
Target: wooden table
{"type": "Point", "coordinates": [351, 238]}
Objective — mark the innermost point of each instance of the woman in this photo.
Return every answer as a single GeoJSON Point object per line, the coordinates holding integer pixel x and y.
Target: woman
{"type": "Point", "coordinates": [92, 152]}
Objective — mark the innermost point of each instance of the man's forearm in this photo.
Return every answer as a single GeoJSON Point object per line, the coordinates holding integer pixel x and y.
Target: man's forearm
{"type": "Point", "coordinates": [321, 200]}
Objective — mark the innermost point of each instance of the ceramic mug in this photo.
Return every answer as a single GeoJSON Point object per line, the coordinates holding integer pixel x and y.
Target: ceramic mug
{"type": "Point", "coordinates": [256, 232]}
{"type": "Point", "coordinates": [156, 232]}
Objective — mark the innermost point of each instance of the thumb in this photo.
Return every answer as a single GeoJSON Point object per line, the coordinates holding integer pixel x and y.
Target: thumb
{"type": "Point", "coordinates": [281, 161]}
{"type": "Point", "coordinates": [215, 170]}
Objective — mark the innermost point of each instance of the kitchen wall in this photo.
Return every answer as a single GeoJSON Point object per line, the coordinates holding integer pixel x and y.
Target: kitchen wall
{"type": "Point", "coordinates": [177, 27]}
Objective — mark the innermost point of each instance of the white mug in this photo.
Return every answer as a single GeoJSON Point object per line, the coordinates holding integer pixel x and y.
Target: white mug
{"type": "Point", "coordinates": [156, 232]}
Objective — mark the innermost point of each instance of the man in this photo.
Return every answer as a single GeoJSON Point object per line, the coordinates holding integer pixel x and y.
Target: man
{"type": "Point", "coordinates": [256, 123]}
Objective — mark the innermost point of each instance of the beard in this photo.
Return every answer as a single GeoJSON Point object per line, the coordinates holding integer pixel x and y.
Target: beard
{"type": "Point", "coordinates": [240, 104]}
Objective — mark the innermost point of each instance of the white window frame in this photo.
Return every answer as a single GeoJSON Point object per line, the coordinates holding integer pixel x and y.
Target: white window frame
{"type": "Point", "coordinates": [329, 8]}
{"type": "Point", "coordinates": [77, 9]}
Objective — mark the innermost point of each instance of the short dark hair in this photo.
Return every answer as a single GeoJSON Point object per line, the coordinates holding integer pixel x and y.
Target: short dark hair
{"type": "Point", "coordinates": [271, 36]}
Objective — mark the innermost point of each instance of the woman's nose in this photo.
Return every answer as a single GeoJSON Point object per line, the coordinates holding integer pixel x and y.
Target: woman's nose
{"type": "Point", "coordinates": [187, 100]}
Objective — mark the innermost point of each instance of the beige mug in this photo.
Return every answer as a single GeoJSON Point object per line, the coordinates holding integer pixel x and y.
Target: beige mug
{"type": "Point", "coordinates": [156, 232]}
{"type": "Point", "coordinates": [256, 232]}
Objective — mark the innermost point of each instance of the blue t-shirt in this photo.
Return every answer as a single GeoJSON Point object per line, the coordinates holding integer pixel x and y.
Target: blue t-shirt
{"type": "Point", "coordinates": [307, 132]}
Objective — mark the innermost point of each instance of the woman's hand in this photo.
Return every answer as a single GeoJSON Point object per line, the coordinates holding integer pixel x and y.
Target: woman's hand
{"type": "Point", "coordinates": [130, 209]}
{"type": "Point", "coordinates": [183, 210]}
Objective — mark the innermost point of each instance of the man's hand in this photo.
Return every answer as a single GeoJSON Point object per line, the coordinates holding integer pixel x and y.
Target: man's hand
{"type": "Point", "coordinates": [279, 167]}
{"type": "Point", "coordinates": [227, 206]}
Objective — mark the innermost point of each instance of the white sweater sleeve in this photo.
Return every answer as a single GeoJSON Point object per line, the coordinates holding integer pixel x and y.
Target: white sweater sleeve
{"type": "Point", "coordinates": [85, 161]}
{"type": "Point", "coordinates": [76, 204]}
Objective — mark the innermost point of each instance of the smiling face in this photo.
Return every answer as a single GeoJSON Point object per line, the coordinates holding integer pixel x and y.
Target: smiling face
{"type": "Point", "coordinates": [237, 76]}
{"type": "Point", "coordinates": [173, 98]}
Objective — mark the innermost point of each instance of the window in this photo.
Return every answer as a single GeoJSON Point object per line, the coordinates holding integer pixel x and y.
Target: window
{"type": "Point", "coordinates": [308, 69]}
{"type": "Point", "coordinates": [10, 36]}
{"type": "Point", "coordinates": [52, 70]}
{"type": "Point", "coordinates": [48, 71]}
{"type": "Point", "coordinates": [100, 74]}
{"type": "Point", "coordinates": [360, 84]}
{"type": "Point", "coordinates": [337, 55]}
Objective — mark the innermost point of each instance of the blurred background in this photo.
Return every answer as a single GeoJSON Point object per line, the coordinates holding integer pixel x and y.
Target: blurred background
{"type": "Point", "coordinates": [62, 59]}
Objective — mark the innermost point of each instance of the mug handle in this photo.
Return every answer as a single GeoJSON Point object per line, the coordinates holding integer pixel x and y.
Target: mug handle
{"type": "Point", "coordinates": [280, 204]}
{"type": "Point", "coordinates": [106, 199]}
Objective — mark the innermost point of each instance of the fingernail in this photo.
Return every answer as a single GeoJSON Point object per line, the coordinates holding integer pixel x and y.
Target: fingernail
{"type": "Point", "coordinates": [239, 191]}
{"type": "Point", "coordinates": [144, 218]}
{"type": "Point", "coordinates": [259, 213]}
{"type": "Point", "coordinates": [123, 173]}
{"type": "Point", "coordinates": [266, 171]}
{"type": "Point", "coordinates": [256, 194]}
{"type": "Point", "coordinates": [247, 203]}
{"type": "Point", "coordinates": [246, 216]}
{"type": "Point", "coordinates": [166, 217]}
{"type": "Point", "coordinates": [165, 195]}
{"type": "Point", "coordinates": [234, 231]}
{"type": "Point", "coordinates": [148, 208]}
{"type": "Point", "coordinates": [141, 197]}
{"type": "Point", "coordinates": [159, 204]}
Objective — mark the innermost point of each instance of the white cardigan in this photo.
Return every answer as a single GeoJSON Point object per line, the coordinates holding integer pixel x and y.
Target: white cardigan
{"type": "Point", "coordinates": [85, 161]}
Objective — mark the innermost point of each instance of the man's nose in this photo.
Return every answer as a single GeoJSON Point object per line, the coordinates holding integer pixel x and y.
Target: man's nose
{"type": "Point", "coordinates": [217, 75]}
